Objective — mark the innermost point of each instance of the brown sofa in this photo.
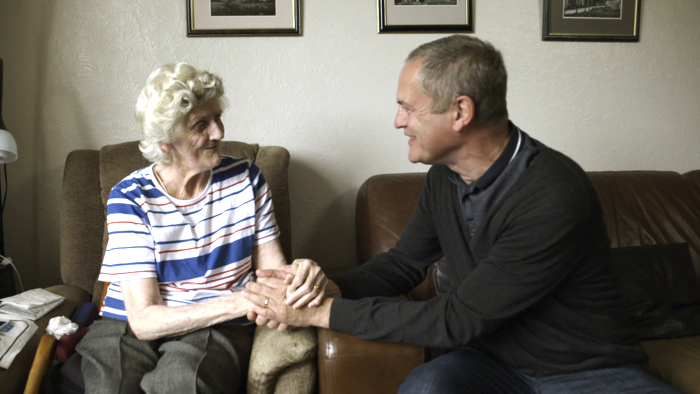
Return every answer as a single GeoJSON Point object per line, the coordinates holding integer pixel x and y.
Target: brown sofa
{"type": "Point", "coordinates": [640, 208]}
{"type": "Point", "coordinates": [281, 362]}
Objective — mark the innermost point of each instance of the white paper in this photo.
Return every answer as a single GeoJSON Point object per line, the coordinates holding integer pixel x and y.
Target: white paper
{"type": "Point", "coordinates": [31, 299]}
{"type": "Point", "coordinates": [32, 304]}
{"type": "Point", "coordinates": [13, 337]}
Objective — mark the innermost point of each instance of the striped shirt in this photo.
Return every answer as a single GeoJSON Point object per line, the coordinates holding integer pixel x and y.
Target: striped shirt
{"type": "Point", "coordinates": [197, 249]}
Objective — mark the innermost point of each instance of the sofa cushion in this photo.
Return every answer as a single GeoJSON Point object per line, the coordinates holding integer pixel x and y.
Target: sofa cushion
{"type": "Point", "coordinates": [693, 177]}
{"type": "Point", "coordinates": [660, 288]}
{"type": "Point", "coordinates": [676, 361]}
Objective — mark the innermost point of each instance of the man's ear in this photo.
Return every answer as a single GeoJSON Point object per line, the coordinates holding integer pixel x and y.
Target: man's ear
{"type": "Point", "coordinates": [165, 147]}
{"type": "Point", "coordinates": [465, 112]}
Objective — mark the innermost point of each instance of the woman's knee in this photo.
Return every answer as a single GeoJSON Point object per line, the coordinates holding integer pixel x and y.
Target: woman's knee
{"type": "Point", "coordinates": [208, 360]}
{"type": "Point", "coordinates": [113, 360]}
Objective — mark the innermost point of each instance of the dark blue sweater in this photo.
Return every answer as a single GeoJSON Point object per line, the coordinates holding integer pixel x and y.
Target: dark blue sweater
{"type": "Point", "coordinates": [533, 285]}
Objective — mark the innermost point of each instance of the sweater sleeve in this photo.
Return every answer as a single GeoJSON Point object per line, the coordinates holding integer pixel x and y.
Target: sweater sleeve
{"type": "Point", "coordinates": [541, 239]}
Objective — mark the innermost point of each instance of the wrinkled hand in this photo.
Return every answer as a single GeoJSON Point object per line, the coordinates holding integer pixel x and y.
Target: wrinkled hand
{"type": "Point", "coordinates": [306, 282]}
{"type": "Point", "coordinates": [260, 320]}
{"type": "Point", "coordinates": [277, 309]}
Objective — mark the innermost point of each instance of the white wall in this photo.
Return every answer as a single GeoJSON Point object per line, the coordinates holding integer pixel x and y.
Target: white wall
{"type": "Point", "coordinates": [73, 69]}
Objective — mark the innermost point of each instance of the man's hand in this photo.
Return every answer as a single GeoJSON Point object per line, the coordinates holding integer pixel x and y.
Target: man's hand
{"type": "Point", "coordinates": [274, 290]}
{"type": "Point", "coordinates": [261, 321]}
{"type": "Point", "coordinates": [306, 282]}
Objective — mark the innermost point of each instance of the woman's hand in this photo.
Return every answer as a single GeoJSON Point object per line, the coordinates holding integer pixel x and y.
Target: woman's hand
{"type": "Point", "coordinates": [308, 286]}
{"type": "Point", "coordinates": [306, 282]}
{"type": "Point", "coordinates": [269, 299]}
{"type": "Point", "coordinates": [260, 320]}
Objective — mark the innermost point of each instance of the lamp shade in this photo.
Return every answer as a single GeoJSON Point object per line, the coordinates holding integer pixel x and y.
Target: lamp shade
{"type": "Point", "coordinates": [8, 147]}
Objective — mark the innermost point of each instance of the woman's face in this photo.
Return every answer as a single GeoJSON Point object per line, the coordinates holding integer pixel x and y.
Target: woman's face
{"type": "Point", "coordinates": [197, 148]}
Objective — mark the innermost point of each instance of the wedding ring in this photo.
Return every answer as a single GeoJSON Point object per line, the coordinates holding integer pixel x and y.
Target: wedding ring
{"type": "Point", "coordinates": [266, 302]}
{"type": "Point", "coordinates": [316, 287]}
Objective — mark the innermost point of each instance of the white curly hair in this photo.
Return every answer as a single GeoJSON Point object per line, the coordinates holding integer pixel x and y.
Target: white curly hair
{"type": "Point", "coordinates": [171, 92]}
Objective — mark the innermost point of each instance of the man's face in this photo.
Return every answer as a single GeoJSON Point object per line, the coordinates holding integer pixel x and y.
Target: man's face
{"type": "Point", "coordinates": [429, 137]}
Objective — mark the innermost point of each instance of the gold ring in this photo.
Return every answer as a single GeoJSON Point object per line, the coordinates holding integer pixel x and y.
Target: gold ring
{"type": "Point", "coordinates": [266, 302]}
{"type": "Point", "coordinates": [316, 287]}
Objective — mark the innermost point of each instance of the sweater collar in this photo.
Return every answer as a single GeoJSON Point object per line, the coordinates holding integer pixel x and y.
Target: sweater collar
{"type": "Point", "coordinates": [490, 176]}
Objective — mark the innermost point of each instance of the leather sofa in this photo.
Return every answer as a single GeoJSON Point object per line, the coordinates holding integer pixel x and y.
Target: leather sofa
{"type": "Point", "coordinates": [640, 208]}
{"type": "Point", "coordinates": [281, 362]}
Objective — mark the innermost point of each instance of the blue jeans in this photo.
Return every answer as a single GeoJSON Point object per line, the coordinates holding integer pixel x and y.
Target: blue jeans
{"type": "Point", "coordinates": [469, 370]}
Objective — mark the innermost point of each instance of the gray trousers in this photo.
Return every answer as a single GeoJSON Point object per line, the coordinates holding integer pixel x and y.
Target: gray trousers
{"type": "Point", "coordinates": [211, 360]}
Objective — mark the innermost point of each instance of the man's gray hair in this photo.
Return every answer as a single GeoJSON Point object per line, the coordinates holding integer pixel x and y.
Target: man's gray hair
{"type": "Point", "coordinates": [464, 65]}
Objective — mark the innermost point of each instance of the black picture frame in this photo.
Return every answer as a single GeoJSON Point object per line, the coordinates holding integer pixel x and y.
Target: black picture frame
{"type": "Point", "coordinates": [425, 16]}
{"type": "Point", "coordinates": [590, 20]}
{"type": "Point", "coordinates": [203, 21]}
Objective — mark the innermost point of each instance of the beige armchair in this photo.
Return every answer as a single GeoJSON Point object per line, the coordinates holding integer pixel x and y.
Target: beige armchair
{"type": "Point", "coordinates": [281, 362]}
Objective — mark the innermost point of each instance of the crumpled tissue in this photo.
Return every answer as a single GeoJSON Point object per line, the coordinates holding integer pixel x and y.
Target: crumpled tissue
{"type": "Point", "coordinates": [60, 326]}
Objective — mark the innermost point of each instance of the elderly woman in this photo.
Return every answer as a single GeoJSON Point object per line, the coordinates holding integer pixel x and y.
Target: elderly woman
{"type": "Point", "coordinates": [185, 236]}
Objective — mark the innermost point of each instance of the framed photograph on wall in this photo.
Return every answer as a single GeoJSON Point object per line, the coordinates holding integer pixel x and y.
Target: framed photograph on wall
{"type": "Point", "coordinates": [591, 20]}
{"type": "Point", "coordinates": [421, 16]}
{"type": "Point", "coordinates": [243, 18]}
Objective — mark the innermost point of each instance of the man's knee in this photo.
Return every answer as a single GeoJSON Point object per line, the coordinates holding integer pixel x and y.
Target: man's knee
{"type": "Point", "coordinates": [429, 379]}
{"type": "Point", "coordinates": [462, 369]}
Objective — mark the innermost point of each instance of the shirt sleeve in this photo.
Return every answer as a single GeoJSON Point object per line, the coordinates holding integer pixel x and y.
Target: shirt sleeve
{"type": "Point", "coordinates": [130, 252]}
{"type": "Point", "coordinates": [266, 228]}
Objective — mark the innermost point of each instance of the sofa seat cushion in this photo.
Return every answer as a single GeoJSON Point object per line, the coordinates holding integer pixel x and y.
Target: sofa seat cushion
{"type": "Point", "coordinates": [676, 361]}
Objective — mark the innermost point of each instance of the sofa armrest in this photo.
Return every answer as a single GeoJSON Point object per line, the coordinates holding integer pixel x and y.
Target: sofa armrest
{"type": "Point", "coordinates": [75, 296]}
{"type": "Point", "coordinates": [676, 361]}
{"type": "Point", "coordinates": [283, 362]}
{"type": "Point", "coordinates": [348, 364]}
{"type": "Point", "coordinates": [42, 361]}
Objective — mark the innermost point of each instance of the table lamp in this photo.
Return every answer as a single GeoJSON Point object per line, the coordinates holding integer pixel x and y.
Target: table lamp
{"type": "Point", "coordinates": [8, 154]}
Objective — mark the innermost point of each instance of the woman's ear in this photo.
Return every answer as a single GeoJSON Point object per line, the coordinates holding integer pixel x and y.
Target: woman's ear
{"type": "Point", "coordinates": [165, 147]}
{"type": "Point", "coordinates": [465, 113]}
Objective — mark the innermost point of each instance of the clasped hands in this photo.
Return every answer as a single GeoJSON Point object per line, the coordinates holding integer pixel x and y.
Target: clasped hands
{"type": "Point", "coordinates": [287, 297]}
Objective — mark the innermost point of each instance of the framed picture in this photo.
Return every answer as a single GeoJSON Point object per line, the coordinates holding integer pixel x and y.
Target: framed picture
{"type": "Point", "coordinates": [243, 18]}
{"type": "Point", "coordinates": [591, 20]}
{"type": "Point", "coordinates": [420, 16]}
